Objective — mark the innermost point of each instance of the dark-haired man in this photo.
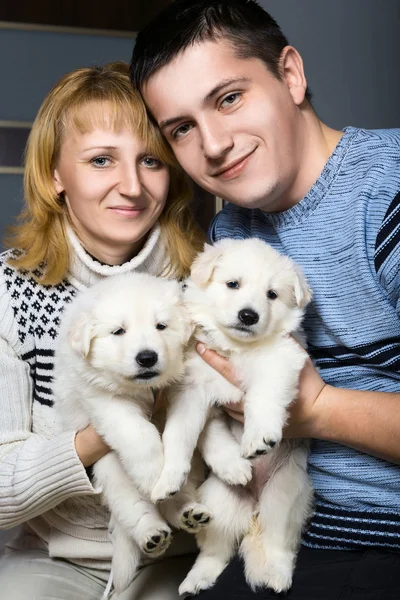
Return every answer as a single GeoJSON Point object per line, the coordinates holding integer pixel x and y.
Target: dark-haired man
{"type": "Point", "coordinates": [230, 96]}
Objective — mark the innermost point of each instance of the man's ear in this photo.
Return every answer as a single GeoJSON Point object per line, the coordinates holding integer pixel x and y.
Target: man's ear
{"type": "Point", "coordinates": [81, 334]}
{"type": "Point", "coordinates": [302, 292]}
{"type": "Point", "coordinates": [292, 71]}
{"type": "Point", "coordinates": [58, 186]}
{"type": "Point", "coordinates": [203, 266]}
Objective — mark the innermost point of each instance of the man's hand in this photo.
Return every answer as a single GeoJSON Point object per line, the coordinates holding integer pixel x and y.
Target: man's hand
{"type": "Point", "coordinates": [303, 412]}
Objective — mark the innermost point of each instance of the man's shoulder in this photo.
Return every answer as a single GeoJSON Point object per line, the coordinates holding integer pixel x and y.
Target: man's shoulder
{"type": "Point", "coordinates": [375, 143]}
{"type": "Point", "coordinates": [371, 165]}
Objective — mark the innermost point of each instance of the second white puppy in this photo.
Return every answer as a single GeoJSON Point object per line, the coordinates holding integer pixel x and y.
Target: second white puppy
{"type": "Point", "coordinates": [246, 299]}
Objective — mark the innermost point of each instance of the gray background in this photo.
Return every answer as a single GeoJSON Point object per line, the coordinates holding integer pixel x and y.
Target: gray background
{"type": "Point", "coordinates": [351, 51]}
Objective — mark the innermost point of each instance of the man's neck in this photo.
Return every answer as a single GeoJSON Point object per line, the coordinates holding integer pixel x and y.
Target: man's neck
{"type": "Point", "coordinates": [317, 141]}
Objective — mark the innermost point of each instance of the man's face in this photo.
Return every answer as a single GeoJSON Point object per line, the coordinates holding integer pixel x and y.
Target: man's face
{"type": "Point", "coordinates": [234, 127]}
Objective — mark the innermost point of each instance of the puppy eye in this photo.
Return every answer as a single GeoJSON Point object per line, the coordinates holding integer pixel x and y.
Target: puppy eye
{"type": "Point", "coordinates": [119, 331]}
{"type": "Point", "coordinates": [161, 326]}
{"type": "Point", "coordinates": [234, 285]}
{"type": "Point", "coordinates": [272, 295]}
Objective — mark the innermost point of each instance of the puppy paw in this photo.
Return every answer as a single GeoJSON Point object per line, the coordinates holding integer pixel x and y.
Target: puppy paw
{"type": "Point", "coordinates": [257, 443]}
{"type": "Point", "coordinates": [199, 578]}
{"type": "Point", "coordinates": [195, 517]}
{"type": "Point", "coordinates": [278, 579]}
{"type": "Point", "coordinates": [170, 483]}
{"type": "Point", "coordinates": [278, 574]}
{"type": "Point", "coordinates": [156, 542]}
{"type": "Point", "coordinates": [269, 569]}
{"type": "Point", "coordinates": [234, 471]}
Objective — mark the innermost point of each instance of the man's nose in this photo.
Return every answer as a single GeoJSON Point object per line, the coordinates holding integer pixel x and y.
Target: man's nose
{"type": "Point", "coordinates": [217, 141]}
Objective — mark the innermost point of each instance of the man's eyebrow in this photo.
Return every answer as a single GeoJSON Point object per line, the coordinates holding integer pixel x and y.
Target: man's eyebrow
{"type": "Point", "coordinates": [215, 90]}
{"type": "Point", "coordinates": [225, 83]}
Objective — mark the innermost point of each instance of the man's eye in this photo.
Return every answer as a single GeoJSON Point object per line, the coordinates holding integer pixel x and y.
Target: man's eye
{"type": "Point", "coordinates": [234, 285]}
{"type": "Point", "coordinates": [230, 99]}
{"type": "Point", "coordinates": [161, 326]}
{"type": "Point", "coordinates": [119, 331]}
{"type": "Point", "coordinates": [181, 131]}
{"type": "Point", "coordinates": [100, 161]}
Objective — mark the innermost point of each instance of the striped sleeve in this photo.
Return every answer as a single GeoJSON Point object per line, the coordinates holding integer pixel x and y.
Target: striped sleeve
{"type": "Point", "coordinates": [37, 472]}
{"type": "Point", "coordinates": [387, 252]}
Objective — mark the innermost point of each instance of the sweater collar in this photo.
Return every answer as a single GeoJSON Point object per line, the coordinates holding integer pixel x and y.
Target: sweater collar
{"type": "Point", "coordinates": [84, 271]}
{"type": "Point", "coordinates": [295, 215]}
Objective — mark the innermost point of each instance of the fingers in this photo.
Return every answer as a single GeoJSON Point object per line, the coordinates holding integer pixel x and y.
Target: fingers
{"type": "Point", "coordinates": [235, 414]}
{"type": "Point", "coordinates": [161, 399]}
{"type": "Point", "coordinates": [218, 363]}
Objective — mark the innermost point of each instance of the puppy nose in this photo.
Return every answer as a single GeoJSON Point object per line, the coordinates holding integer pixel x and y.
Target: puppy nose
{"type": "Point", "coordinates": [146, 358]}
{"type": "Point", "coordinates": [248, 316]}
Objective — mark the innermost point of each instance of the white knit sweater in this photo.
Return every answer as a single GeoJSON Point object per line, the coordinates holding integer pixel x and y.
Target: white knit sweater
{"type": "Point", "coordinates": [42, 481]}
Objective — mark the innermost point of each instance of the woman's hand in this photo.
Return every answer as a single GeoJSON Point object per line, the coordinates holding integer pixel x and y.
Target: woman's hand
{"type": "Point", "coordinates": [90, 446]}
{"type": "Point", "coordinates": [303, 413]}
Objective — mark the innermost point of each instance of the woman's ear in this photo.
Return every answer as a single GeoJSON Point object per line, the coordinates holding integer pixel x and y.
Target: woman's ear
{"type": "Point", "coordinates": [58, 186]}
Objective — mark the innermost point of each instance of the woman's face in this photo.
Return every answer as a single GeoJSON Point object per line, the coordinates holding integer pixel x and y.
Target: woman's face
{"type": "Point", "coordinates": [113, 188]}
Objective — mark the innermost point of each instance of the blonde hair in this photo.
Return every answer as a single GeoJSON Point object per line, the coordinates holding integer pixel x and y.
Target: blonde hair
{"type": "Point", "coordinates": [41, 233]}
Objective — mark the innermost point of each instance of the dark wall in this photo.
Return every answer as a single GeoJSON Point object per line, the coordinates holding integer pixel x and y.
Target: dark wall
{"type": "Point", "coordinates": [351, 51]}
{"type": "Point", "coordinates": [119, 15]}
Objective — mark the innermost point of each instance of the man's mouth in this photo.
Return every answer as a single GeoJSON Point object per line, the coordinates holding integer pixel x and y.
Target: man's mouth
{"type": "Point", "coordinates": [234, 168]}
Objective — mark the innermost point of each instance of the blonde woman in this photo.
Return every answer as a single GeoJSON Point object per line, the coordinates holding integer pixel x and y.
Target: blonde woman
{"type": "Point", "coordinates": [104, 195]}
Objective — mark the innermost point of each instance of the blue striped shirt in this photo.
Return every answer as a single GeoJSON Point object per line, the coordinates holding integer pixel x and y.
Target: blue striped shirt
{"type": "Point", "coordinates": [345, 235]}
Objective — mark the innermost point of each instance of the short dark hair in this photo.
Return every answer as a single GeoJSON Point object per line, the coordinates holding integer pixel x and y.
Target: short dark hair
{"type": "Point", "coordinates": [244, 23]}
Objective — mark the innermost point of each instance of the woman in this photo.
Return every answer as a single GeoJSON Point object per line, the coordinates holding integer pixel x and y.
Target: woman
{"type": "Point", "coordinates": [103, 196]}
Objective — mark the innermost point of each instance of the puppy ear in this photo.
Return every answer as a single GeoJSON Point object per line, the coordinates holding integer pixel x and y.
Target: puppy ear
{"type": "Point", "coordinates": [80, 334]}
{"type": "Point", "coordinates": [302, 292]}
{"type": "Point", "coordinates": [188, 325]}
{"type": "Point", "coordinates": [204, 264]}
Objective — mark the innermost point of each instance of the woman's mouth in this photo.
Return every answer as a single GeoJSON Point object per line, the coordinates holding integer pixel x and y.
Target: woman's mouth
{"type": "Point", "coordinates": [126, 211]}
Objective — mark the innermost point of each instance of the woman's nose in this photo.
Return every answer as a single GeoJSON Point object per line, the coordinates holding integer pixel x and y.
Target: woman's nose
{"type": "Point", "coordinates": [129, 183]}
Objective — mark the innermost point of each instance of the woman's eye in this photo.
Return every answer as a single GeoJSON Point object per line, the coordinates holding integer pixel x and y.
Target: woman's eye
{"type": "Point", "coordinates": [181, 131]}
{"type": "Point", "coordinates": [234, 285]}
{"type": "Point", "coordinates": [152, 163]}
{"type": "Point", "coordinates": [119, 331]}
{"type": "Point", "coordinates": [272, 295]}
{"type": "Point", "coordinates": [161, 326]}
{"type": "Point", "coordinates": [230, 99]}
{"type": "Point", "coordinates": [100, 161]}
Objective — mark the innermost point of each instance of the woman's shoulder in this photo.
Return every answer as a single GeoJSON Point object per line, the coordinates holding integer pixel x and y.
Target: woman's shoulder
{"type": "Point", "coordinates": [36, 307]}
{"type": "Point", "coordinates": [13, 276]}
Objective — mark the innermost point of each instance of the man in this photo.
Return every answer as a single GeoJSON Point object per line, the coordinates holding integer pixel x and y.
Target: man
{"type": "Point", "coordinates": [230, 95]}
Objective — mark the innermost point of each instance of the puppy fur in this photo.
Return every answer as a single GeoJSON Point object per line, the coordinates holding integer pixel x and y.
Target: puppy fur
{"type": "Point", "coordinates": [246, 299]}
{"type": "Point", "coordinates": [120, 340]}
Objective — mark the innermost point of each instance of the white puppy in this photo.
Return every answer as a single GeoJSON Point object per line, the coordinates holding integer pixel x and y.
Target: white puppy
{"type": "Point", "coordinates": [246, 299]}
{"type": "Point", "coordinates": [119, 341]}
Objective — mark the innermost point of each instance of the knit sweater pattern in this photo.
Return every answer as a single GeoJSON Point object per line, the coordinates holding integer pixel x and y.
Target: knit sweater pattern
{"type": "Point", "coordinates": [345, 235]}
{"type": "Point", "coordinates": [42, 480]}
